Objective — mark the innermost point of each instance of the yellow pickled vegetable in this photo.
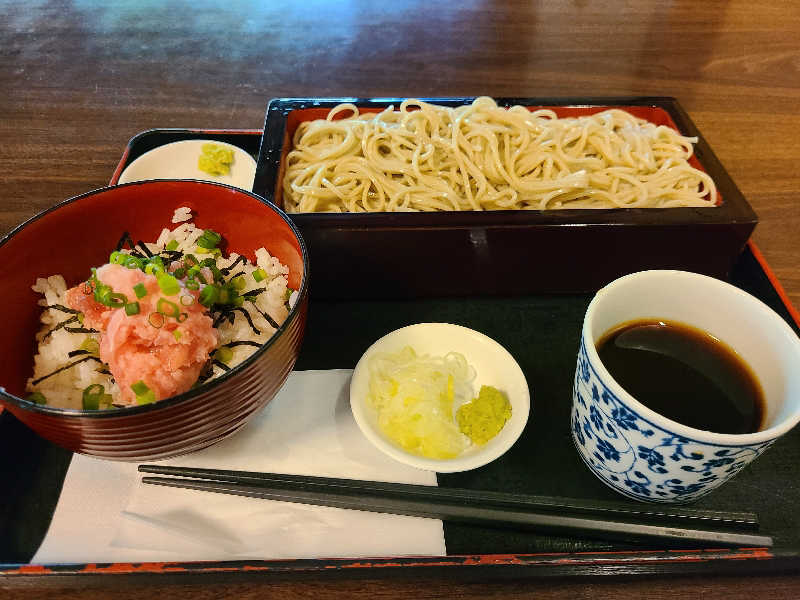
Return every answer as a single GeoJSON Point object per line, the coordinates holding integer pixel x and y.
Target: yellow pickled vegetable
{"type": "Point", "coordinates": [485, 416]}
{"type": "Point", "coordinates": [215, 159]}
{"type": "Point", "coordinates": [415, 398]}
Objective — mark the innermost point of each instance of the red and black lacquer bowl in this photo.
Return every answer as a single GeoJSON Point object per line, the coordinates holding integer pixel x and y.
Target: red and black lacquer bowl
{"type": "Point", "coordinates": [79, 233]}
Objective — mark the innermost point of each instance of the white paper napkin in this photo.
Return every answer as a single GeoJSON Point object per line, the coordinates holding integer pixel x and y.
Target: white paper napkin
{"type": "Point", "coordinates": [105, 514]}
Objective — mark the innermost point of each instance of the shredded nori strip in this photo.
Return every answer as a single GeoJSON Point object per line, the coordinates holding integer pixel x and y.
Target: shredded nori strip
{"type": "Point", "coordinates": [229, 268]}
{"type": "Point", "coordinates": [65, 367]}
{"type": "Point", "coordinates": [205, 373]}
{"type": "Point", "coordinates": [144, 248]}
{"type": "Point", "coordinates": [235, 276]}
{"type": "Point", "coordinates": [253, 293]}
{"type": "Point", "coordinates": [75, 353]}
{"type": "Point", "coordinates": [125, 239]}
{"type": "Point", "coordinates": [62, 325]}
{"type": "Point", "coordinates": [267, 318]}
{"type": "Point", "coordinates": [80, 330]}
{"type": "Point", "coordinates": [230, 316]}
{"type": "Point", "coordinates": [104, 372]}
{"type": "Point", "coordinates": [242, 343]}
{"type": "Point", "coordinates": [63, 308]}
{"type": "Point", "coordinates": [221, 365]}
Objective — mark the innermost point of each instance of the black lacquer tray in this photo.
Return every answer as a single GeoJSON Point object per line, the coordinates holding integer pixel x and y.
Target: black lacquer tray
{"type": "Point", "coordinates": [542, 332]}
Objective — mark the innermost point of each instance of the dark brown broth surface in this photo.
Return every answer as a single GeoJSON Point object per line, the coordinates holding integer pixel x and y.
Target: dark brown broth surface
{"type": "Point", "coordinates": [684, 374]}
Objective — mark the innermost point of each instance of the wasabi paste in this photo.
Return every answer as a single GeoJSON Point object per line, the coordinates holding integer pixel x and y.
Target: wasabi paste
{"type": "Point", "coordinates": [484, 417]}
{"type": "Point", "coordinates": [215, 159]}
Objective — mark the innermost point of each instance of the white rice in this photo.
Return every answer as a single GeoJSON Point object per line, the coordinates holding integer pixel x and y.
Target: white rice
{"type": "Point", "coordinates": [65, 389]}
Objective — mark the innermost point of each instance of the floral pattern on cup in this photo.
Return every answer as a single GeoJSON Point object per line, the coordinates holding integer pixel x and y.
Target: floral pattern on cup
{"type": "Point", "coordinates": [639, 458]}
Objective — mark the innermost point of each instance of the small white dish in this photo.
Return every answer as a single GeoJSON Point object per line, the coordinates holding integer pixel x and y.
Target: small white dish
{"type": "Point", "coordinates": [494, 366]}
{"type": "Point", "coordinates": [178, 160]}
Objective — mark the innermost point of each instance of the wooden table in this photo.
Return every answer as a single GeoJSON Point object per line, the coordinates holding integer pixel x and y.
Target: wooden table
{"type": "Point", "coordinates": [78, 79]}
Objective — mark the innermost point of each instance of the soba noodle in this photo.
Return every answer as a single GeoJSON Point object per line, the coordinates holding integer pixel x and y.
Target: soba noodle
{"type": "Point", "coordinates": [481, 156]}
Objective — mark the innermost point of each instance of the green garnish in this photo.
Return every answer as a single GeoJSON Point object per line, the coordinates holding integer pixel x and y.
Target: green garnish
{"type": "Point", "coordinates": [209, 239]}
{"type": "Point", "coordinates": [259, 275]}
{"type": "Point", "coordinates": [132, 263]}
{"type": "Point", "coordinates": [209, 295]}
{"type": "Point", "coordinates": [224, 355]}
{"type": "Point", "coordinates": [177, 335]}
{"type": "Point", "coordinates": [144, 395]}
{"type": "Point", "coordinates": [168, 284]}
{"type": "Point", "coordinates": [37, 397]}
{"type": "Point", "coordinates": [116, 300]}
{"type": "Point", "coordinates": [117, 258]}
{"type": "Point", "coordinates": [239, 282]}
{"type": "Point", "coordinates": [139, 388]}
{"type": "Point", "coordinates": [187, 300]}
{"type": "Point", "coordinates": [140, 290]}
{"type": "Point", "coordinates": [132, 308]}
{"type": "Point", "coordinates": [92, 395]}
{"type": "Point", "coordinates": [90, 345]}
{"type": "Point", "coordinates": [167, 308]}
{"type": "Point", "coordinates": [172, 245]}
{"type": "Point", "coordinates": [147, 398]}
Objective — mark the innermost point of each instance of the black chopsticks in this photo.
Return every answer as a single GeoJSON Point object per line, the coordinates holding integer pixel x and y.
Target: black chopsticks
{"type": "Point", "coordinates": [564, 516]}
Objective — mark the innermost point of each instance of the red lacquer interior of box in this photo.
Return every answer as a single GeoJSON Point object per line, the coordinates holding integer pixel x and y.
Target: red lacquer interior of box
{"type": "Point", "coordinates": [653, 114]}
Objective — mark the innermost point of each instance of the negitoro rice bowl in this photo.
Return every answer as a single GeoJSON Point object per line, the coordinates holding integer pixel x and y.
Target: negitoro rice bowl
{"type": "Point", "coordinates": [159, 319]}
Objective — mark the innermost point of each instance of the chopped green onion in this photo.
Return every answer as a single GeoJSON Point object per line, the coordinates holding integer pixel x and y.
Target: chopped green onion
{"type": "Point", "coordinates": [132, 263]}
{"type": "Point", "coordinates": [80, 318]}
{"type": "Point", "coordinates": [208, 262]}
{"type": "Point", "coordinates": [132, 308]}
{"type": "Point", "coordinates": [92, 395]}
{"type": "Point", "coordinates": [187, 300]}
{"type": "Point", "coordinates": [117, 300]}
{"type": "Point", "coordinates": [182, 317]}
{"type": "Point", "coordinates": [191, 284]}
{"type": "Point", "coordinates": [37, 397]}
{"type": "Point", "coordinates": [172, 245]}
{"type": "Point", "coordinates": [189, 261]}
{"type": "Point", "coordinates": [147, 398]}
{"type": "Point", "coordinates": [209, 295]}
{"type": "Point", "coordinates": [90, 345]}
{"type": "Point", "coordinates": [156, 320]}
{"type": "Point", "coordinates": [139, 388]}
{"type": "Point", "coordinates": [238, 282]}
{"type": "Point", "coordinates": [209, 239]}
{"type": "Point", "coordinates": [168, 284]}
{"type": "Point", "coordinates": [140, 290]}
{"type": "Point", "coordinates": [177, 335]}
{"type": "Point", "coordinates": [167, 308]}
{"type": "Point", "coordinates": [224, 296]}
{"type": "Point", "coordinates": [117, 258]}
{"type": "Point", "coordinates": [179, 273]}
{"type": "Point", "coordinates": [287, 294]}
{"type": "Point", "coordinates": [259, 275]}
{"type": "Point", "coordinates": [153, 268]}
{"type": "Point", "coordinates": [224, 355]}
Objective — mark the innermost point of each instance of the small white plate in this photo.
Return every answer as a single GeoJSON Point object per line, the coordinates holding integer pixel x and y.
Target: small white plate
{"type": "Point", "coordinates": [178, 160]}
{"type": "Point", "coordinates": [494, 366]}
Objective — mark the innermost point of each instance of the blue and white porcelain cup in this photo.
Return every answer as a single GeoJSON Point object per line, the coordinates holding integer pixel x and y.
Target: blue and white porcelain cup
{"type": "Point", "coordinates": [644, 455]}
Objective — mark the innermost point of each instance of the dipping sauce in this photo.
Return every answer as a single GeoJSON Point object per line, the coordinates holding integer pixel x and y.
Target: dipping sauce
{"type": "Point", "coordinates": [684, 374]}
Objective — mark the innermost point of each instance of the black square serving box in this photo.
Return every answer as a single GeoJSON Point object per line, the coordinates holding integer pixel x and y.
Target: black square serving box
{"type": "Point", "coordinates": [396, 255]}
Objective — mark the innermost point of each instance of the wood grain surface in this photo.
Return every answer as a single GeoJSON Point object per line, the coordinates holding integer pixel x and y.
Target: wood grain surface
{"type": "Point", "coordinates": [79, 78]}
